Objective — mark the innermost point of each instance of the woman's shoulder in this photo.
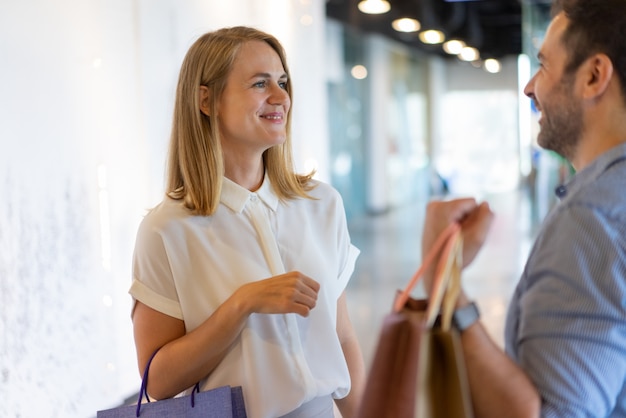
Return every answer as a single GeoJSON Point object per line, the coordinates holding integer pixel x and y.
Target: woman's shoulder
{"type": "Point", "coordinates": [323, 190]}
{"type": "Point", "coordinates": [166, 214]}
{"type": "Point", "coordinates": [324, 198]}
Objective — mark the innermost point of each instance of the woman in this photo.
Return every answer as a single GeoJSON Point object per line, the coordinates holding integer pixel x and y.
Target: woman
{"type": "Point", "coordinates": [239, 273]}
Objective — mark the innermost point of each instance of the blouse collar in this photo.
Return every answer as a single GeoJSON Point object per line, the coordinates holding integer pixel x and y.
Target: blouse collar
{"type": "Point", "coordinates": [236, 197]}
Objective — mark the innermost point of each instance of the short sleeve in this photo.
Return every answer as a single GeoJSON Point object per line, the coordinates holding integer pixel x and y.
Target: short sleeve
{"type": "Point", "coordinates": [348, 267]}
{"type": "Point", "coordinates": [153, 284]}
{"type": "Point", "coordinates": [348, 252]}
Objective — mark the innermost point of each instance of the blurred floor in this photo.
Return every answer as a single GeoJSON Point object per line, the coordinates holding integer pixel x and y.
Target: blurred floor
{"type": "Point", "coordinates": [390, 254]}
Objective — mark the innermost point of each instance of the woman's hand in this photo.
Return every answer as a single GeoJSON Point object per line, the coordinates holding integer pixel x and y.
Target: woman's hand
{"type": "Point", "coordinates": [187, 357]}
{"type": "Point", "coordinates": [292, 292]}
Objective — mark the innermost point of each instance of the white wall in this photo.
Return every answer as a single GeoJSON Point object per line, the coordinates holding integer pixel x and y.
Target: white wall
{"type": "Point", "coordinates": [85, 109]}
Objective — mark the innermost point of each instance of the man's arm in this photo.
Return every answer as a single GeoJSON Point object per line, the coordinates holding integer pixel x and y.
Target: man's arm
{"type": "Point", "coordinates": [498, 386]}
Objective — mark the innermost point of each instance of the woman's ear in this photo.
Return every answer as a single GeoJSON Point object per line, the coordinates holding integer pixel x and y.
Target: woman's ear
{"type": "Point", "coordinates": [204, 100]}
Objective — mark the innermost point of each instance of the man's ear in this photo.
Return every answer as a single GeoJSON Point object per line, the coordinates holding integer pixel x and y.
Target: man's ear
{"type": "Point", "coordinates": [204, 99]}
{"type": "Point", "coordinates": [598, 72]}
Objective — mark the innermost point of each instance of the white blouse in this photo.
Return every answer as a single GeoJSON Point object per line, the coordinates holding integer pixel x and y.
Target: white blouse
{"type": "Point", "coordinates": [185, 266]}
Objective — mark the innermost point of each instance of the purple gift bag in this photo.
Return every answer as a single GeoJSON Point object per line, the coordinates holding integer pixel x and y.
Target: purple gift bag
{"type": "Point", "coordinates": [221, 402]}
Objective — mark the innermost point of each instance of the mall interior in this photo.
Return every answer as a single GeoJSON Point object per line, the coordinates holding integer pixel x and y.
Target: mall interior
{"type": "Point", "coordinates": [388, 120]}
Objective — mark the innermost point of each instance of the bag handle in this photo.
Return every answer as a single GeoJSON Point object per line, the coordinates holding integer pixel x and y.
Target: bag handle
{"type": "Point", "coordinates": [450, 240]}
{"type": "Point", "coordinates": [143, 391]}
{"type": "Point", "coordinates": [447, 283]}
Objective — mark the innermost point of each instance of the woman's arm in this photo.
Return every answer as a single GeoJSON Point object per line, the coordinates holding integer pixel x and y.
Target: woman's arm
{"type": "Point", "coordinates": [187, 358]}
{"type": "Point", "coordinates": [184, 359]}
{"type": "Point", "coordinates": [352, 351]}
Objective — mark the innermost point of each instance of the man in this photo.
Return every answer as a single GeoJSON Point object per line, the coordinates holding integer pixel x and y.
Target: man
{"type": "Point", "coordinates": [566, 326]}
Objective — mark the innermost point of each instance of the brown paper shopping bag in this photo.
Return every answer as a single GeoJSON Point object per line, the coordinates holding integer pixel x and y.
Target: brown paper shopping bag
{"type": "Point", "coordinates": [418, 368]}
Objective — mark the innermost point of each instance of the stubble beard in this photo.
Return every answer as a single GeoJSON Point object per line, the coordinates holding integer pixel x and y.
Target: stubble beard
{"type": "Point", "coordinates": [562, 125]}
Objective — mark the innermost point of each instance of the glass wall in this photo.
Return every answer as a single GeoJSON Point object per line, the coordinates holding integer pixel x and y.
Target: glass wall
{"type": "Point", "coordinates": [378, 126]}
{"type": "Point", "coordinates": [407, 174]}
{"type": "Point", "coordinates": [347, 99]}
{"type": "Point", "coordinates": [548, 169]}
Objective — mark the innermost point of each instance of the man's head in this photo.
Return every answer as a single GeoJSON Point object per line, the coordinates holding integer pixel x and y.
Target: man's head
{"type": "Point", "coordinates": [595, 26]}
{"type": "Point", "coordinates": [580, 78]}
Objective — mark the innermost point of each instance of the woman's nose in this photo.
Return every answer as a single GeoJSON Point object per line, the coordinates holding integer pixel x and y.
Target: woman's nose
{"type": "Point", "coordinates": [278, 95]}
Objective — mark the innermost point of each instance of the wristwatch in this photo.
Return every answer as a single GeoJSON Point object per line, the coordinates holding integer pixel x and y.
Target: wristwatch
{"type": "Point", "coordinates": [464, 317]}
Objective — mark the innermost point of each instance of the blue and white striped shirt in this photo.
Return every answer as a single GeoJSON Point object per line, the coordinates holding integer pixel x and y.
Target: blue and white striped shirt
{"type": "Point", "coordinates": [566, 325]}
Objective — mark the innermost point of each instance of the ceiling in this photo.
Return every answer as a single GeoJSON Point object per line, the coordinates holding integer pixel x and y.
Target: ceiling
{"type": "Point", "coordinates": [492, 26]}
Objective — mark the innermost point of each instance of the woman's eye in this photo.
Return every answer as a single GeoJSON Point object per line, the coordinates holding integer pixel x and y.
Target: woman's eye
{"type": "Point", "coordinates": [259, 84]}
{"type": "Point", "coordinates": [283, 85]}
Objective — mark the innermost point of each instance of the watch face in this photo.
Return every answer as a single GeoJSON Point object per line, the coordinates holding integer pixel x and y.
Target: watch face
{"type": "Point", "coordinates": [463, 318]}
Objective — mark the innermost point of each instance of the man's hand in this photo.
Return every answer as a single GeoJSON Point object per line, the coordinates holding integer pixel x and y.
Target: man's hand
{"type": "Point", "coordinates": [475, 220]}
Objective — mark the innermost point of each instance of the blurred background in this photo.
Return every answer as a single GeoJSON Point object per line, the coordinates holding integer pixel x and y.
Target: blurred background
{"type": "Point", "coordinates": [386, 109]}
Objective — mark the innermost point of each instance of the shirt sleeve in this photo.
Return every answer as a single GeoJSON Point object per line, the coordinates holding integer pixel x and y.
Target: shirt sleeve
{"type": "Point", "coordinates": [348, 267]}
{"type": "Point", "coordinates": [153, 283]}
{"type": "Point", "coordinates": [572, 330]}
{"type": "Point", "coordinates": [349, 253]}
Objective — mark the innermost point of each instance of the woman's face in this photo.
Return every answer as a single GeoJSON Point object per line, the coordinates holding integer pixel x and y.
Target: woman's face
{"type": "Point", "coordinates": [252, 111]}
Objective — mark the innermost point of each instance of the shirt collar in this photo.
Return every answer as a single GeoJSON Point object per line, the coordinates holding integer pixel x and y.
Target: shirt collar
{"type": "Point", "coordinates": [590, 173]}
{"type": "Point", "coordinates": [236, 197]}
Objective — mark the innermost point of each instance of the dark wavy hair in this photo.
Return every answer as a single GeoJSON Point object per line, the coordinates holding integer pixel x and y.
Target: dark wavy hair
{"type": "Point", "coordinates": [595, 26]}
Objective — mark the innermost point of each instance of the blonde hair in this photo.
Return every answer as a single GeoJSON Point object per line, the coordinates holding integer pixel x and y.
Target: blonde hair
{"type": "Point", "coordinates": [195, 163]}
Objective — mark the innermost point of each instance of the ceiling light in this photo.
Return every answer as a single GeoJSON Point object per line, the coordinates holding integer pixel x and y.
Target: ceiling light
{"type": "Point", "coordinates": [432, 37]}
{"type": "Point", "coordinates": [406, 24]}
{"type": "Point", "coordinates": [454, 46]}
{"type": "Point", "coordinates": [374, 7]}
{"type": "Point", "coordinates": [469, 54]}
{"type": "Point", "coordinates": [492, 65]}
{"type": "Point", "coordinates": [359, 72]}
